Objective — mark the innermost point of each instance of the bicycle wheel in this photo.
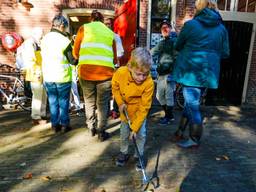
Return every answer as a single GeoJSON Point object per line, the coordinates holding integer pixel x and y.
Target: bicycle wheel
{"type": "Point", "coordinates": [179, 97]}
{"type": "Point", "coordinates": [25, 103]}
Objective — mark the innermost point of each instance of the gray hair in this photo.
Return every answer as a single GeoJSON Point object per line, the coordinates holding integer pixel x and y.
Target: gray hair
{"type": "Point", "coordinates": [59, 20]}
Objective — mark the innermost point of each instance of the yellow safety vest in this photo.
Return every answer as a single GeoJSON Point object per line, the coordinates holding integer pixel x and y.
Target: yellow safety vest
{"type": "Point", "coordinates": [55, 65]}
{"type": "Point", "coordinates": [96, 47]}
{"type": "Point", "coordinates": [34, 73]}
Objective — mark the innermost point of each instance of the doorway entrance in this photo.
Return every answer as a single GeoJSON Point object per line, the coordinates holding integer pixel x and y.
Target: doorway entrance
{"type": "Point", "coordinates": [233, 69]}
{"type": "Point", "coordinates": [80, 16]}
{"type": "Point", "coordinates": [234, 74]}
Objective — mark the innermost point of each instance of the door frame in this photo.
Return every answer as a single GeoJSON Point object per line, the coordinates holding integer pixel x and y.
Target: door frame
{"type": "Point", "coordinates": [248, 18]}
{"type": "Point", "coordinates": [86, 12]}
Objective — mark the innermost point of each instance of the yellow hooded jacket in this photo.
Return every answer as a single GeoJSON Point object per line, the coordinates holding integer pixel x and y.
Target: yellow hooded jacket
{"type": "Point", "coordinates": [138, 98]}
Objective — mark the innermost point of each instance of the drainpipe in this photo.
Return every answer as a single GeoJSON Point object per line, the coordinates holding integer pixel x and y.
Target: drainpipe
{"type": "Point", "coordinates": [173, 11]}
{"type": "Point", "coordinates": [137, 23]}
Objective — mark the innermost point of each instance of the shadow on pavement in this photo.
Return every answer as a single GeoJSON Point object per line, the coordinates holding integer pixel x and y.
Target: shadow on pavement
{"type": "Point", "coordinates": [75, 161]}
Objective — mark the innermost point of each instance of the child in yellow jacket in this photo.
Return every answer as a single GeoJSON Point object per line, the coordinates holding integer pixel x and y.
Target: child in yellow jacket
{"type": "Point", "coordinates": [133, 87]}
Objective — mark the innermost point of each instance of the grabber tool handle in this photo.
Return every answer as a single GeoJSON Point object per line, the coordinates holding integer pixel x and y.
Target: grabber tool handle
{"type": "Point", "coordinates": [127, 117]}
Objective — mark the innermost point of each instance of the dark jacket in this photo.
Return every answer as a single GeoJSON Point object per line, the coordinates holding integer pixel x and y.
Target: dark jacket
{"type": "Point", "coordinates": [202, 42]}
{"type": "Point", "coordinates": [165, 53]}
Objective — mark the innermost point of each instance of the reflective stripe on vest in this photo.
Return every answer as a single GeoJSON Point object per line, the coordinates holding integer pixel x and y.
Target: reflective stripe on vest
{"type": "Point", "coordinates": [96, 47]}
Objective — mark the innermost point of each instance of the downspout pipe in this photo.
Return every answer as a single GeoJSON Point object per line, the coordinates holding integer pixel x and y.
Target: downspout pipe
{"type": "Point", "coordinates": [137, 23]}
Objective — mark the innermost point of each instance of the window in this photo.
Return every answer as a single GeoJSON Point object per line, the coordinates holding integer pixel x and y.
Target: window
{"type": "Point", "coordinates": [237, 5]}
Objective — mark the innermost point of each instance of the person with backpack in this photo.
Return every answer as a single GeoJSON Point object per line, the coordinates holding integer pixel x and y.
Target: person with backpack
{"type": "Point", "coordinates": [165, 54]}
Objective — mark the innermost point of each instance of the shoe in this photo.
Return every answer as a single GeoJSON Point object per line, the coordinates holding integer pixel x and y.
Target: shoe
{"type": "Point", "coordinates": [188, 144]}
{"type": "Point", "coordinates": [93, 132]}
{"type": "Point", "coordinates": [56, 128]}
{"type": "Point", "coordinates": [102, 136]}
{"type": "Point", "coordinates": [177, 136]}
{"type": "Point", "coordinates": [67, 128]}
{"type": "Point", "coordinates": [79, 113]}
{"type": "Point", "coordinates": [122, 159]}
{"type": "Point", "coordinates": [171, 118]}
{"type": "Point", "coordinates": [164, 121]}
{"type": "Point", "coordinates": [138, 166]}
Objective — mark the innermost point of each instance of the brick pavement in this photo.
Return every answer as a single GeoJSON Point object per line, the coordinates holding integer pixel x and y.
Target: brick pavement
{"type": "Point", "coordinates": [76, 162]}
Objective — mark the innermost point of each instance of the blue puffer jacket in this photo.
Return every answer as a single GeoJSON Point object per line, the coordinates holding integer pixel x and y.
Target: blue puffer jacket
{"type": "Point", "coordinates": [202, 42]}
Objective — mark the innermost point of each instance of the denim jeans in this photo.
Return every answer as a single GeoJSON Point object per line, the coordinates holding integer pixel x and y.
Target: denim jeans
{"type": "Point", "coordinates": [97, 95]}
{"type": "Point", "coordinates": [140, 138]}
{"type": "Point", "coordinates": [192, 104]}
{"type": "Point", "coordinates": [58, 97]}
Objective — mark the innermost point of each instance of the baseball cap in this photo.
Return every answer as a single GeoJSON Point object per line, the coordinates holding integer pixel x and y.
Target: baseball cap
{"type": "Point", "coordinates": [166, 22]}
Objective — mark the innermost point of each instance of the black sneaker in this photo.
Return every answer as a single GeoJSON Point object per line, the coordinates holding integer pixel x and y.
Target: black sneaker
{"type": "Point", "coordinates": [122, 159]}
{"type": "Point", "coordinates": [102, 136]}
{"type": "Point", "coordinates": [67, 128]}
{"type": "Point", "coordinates": [138, 166]}
{"type": "Point", "coordinates": [56, 128]}
{"type": "Point", "coordinates": [93, 132]}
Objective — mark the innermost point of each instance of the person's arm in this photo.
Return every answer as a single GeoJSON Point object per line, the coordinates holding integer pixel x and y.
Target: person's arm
{"type": "Point", "coordinates": [145, 105]}
{"type": "Point", "coordinates": [225, 45]}
{"type": "Point", "coordinates": [28, 54]}
{"type": "Point", "coordinates": [155, 51]}
{"type": "Point", "coordinates": [119, 49]}
{"type": "Point", "coordinates": [116, 88]}
{"type": "Point", "coordinates": [77, 42]}
{"type": "Point", "coordinates": [182, 37]}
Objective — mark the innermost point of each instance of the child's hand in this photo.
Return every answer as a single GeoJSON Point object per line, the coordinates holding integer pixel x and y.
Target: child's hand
{"type": "Point", "coordinates": [132, 134]}
{"type": "Point", "coordinates": [122, 108]}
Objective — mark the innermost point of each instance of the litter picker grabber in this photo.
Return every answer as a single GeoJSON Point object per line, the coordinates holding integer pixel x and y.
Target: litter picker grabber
{"type": "Point", "coordinates": [154, 179]}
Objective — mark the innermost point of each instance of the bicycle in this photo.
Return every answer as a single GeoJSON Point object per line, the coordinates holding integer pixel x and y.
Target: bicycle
{"type": "Point", "coordinates": [180, 99]}
{"type": "Point", "coordinates": [14, 93]}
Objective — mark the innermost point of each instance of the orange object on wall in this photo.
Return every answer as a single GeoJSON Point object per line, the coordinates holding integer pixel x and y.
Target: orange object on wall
{"type": "Point", "coordinates": [125, 25]}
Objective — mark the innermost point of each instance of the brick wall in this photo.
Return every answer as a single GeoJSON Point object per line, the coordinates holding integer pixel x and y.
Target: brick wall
{"type": "Point", "coordinates": [15, 17]}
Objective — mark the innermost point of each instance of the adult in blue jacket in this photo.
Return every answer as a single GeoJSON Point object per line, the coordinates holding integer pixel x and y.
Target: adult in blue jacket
{"type": "Point", "coordinates": [202, 42]}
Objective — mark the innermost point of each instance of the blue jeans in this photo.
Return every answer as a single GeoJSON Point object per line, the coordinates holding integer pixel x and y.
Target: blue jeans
{"type": "Point", "coordinates": [192, 104]}
{"type": "Point", "coordinates": [140, 138]}
{"type": "Point", "coordinates": [58, 97]}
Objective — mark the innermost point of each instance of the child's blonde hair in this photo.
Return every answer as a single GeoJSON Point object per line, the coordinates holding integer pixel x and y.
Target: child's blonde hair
{"type": "Point", "coordinates": [201, 4]}
{"type": "Point", "coordinates": [140, 58]}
